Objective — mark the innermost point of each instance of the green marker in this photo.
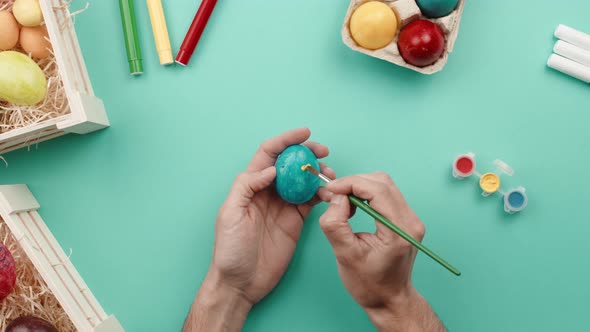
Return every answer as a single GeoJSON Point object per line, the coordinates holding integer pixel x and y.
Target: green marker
{"type": "Point", "coordinates": [131, 37]}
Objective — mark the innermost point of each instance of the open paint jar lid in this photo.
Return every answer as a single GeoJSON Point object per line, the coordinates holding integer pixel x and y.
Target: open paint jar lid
{"type": "Point", "coordinates": [515, 200]}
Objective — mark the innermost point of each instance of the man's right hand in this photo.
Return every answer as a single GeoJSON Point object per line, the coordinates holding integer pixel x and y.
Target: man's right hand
{"type": "Point", "coordinates": [377, 268]}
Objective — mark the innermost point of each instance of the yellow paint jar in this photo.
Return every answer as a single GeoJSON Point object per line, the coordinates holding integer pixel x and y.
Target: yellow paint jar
{"type": "Point", "coordinates": [489, 183]}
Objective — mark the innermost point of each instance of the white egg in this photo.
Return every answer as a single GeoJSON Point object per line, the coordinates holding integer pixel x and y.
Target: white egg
{"type": "Point", "coordinates": [27, 12]}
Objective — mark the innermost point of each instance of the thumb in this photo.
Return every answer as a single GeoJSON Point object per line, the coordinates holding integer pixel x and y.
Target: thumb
{"type": "Point", "coordinates": [334, 223]}
{"type": "Point", "coordinates": [248, 184]}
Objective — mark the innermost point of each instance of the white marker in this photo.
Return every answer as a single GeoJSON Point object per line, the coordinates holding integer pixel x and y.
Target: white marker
{"type": "Point", "coordinates": [572, 52]}
{"type": "Point", "coordinates": [573, 36]}
{"type": "Point", "coordinates": [569, 67]}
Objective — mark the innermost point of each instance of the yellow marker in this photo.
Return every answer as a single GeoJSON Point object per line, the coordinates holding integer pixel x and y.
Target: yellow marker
{"type": "Point", "coordinates": [305, 167]}
{"type": "Point", "coordinates": [160, 31]}
{"type": "Point", "coordinates": [489, 183]}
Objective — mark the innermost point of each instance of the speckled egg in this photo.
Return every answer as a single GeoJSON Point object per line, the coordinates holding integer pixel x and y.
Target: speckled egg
{"type": "Point", "coordinates": [30, 324]}
{"type": "Point", "coordinates": [7, 272]}
{"type": "Point", "coordinates": [437, 8]}
{"type": "Point", "coordinates": [293, 184]}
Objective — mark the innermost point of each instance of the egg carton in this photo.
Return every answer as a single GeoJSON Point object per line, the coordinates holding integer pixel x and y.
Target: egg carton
{"type": "Point", "coordinates": [87, 112]}
{"type": "Point", "coordinates": [18, 209]}
{"type": "Point", "coordinates": [408, 11]}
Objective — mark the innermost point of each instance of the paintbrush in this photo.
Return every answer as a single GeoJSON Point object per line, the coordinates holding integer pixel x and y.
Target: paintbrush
{"type": "Point", "coordinates": [379, 217]}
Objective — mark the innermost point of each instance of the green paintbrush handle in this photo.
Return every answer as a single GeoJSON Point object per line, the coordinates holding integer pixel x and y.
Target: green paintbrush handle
{"type": "Point", "coordinates": [370, 211]}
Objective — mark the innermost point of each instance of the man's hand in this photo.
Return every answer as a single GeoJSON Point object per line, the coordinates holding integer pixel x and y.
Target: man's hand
{"type": "Point", "coordinates": [377, 268]}
{"type": "Point", "coordinates": [256, 233]}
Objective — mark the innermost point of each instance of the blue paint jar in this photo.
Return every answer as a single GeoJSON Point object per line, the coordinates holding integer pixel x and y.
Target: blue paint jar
{"type": "Point", "coordinates": [515, 200]}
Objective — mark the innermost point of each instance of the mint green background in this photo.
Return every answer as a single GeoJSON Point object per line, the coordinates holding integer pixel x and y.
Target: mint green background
{"type": "Point", "coordinates": [137, 202]}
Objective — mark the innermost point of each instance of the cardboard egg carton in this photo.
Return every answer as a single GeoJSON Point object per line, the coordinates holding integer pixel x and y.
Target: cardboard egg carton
{"type": "Point", "coordinates": [408, 11]}
{"type": "Point", "coordinates": [18, 209]}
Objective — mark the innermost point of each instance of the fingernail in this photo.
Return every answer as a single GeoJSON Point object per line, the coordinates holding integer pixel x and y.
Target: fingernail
{"type": "Point", "coordinates": [268, 171]}
{"type": "Point", "coordinates": [337, 199]}
{"type": "Point", "coordinates": [330, 195]}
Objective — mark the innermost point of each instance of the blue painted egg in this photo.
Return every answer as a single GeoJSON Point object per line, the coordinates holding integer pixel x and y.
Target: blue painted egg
{"type": "Point", "coordinates": [293, 184]}
{"type": "Point", "coordinates": [437, 8]}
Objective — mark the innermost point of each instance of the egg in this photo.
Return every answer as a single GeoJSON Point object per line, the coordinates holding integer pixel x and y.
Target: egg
{"type": "Point", "coordinates": [436, 8]}
{"type": "Point", "coordinates": [7, 272]}
{"type": "Point", "coordinates": [30, 324]}
{"type": "Point", "coordinates": [292, 183]}
{"type": "Point", "coordinates": [33, 41]}
{"type": "Point", "coordinates": [373, 25]}
{"type": "Point", "coordinates": [421, 43]}
{"type": "Point", "coordinates": [27, 12]}
{"type": "Point", "coordinates": [9, 31]}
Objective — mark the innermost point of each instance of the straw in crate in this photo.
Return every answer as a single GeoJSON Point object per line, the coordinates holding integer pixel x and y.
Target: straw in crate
{"type": "Point", "coordinates": [70, 105]}
{"type": "Point", "coordinates": [48, 285]}
{"type": "Point", "coordinates": [385, 29]}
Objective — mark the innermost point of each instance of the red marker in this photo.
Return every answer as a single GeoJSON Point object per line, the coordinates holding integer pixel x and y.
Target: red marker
{"type": "Point", "coordinates": [194, 32]}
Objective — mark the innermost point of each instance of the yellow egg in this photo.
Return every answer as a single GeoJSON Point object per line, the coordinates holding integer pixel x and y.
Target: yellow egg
{"type": "Point", "coordinates": [27, 12]}
{"type": "Point", "coordinates": [33, 41]}
{"type": "Point", "coordinates": [8, 31]}
{"type": "Point", "coordinates": [373, 25]}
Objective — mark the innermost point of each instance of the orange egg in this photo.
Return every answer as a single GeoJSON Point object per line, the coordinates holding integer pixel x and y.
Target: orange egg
{"type": "Point", "coordinates": [8, 31]}
{"type": "Point", "coordinates": [34, 42]}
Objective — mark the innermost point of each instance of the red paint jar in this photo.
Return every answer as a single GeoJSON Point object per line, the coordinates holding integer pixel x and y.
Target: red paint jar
{"type": "Point", "coordinates": [464, 166]}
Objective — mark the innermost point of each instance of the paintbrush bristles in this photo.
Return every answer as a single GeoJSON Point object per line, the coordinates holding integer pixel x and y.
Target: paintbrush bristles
{"type": "Point", "coordinates": [315, 172]}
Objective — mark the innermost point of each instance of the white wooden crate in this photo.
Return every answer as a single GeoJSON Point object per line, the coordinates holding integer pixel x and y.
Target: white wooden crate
{"type": "Point", "coordinates": [87, 113]}
{"type": "Point", "coordinates": [18, 209]}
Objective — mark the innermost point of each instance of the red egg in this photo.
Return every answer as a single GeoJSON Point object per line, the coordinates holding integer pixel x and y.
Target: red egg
{"type": "Point", "coordinates": [7, 272]}
{"type": "Point", "coordinates": [30, 324]}
{"type": "Point", "coordinates": [421, 43]}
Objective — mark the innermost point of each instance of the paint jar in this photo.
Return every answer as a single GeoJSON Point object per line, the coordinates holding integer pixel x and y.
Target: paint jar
{"type": "Point", "coordinates": [489, 183]}
{"type": "Point", "coordinates": [515, 200]}
{"type": "Point", "coordinates": [464, 165]}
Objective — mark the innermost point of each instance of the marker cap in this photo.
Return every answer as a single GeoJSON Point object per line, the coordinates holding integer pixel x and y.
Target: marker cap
{"type": "Point", "coordinates": [166, 57]}
{"type": "Point", "coordinates": [135, 67]}
{"type": "Point", "coordinates": [183, 57]}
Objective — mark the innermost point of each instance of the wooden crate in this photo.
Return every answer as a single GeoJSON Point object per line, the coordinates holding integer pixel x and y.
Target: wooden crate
{"type": "Point", "coordinates": [18, 209]}
{"type": "Point", "coordinates": [87, 112]}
